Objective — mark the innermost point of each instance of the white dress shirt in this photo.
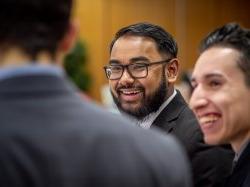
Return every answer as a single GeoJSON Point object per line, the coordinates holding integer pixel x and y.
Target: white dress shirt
{"type": "Point", "coordinates": [147, 121]}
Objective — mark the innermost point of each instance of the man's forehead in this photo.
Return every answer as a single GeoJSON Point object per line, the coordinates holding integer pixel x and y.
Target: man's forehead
{"type": "Point", "coordinates": [217, 58]}
{"type": "Point", "coordinates": [219, 54]}
{"type": "Point", "coordinates": [126, 50]}
{"type": "Point", "coordinates": [217, 63]}
{"type": "Point", "coordinates": [134, 41]}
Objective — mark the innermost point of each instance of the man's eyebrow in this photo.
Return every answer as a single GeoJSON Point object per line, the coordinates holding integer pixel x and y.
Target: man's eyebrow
{"type": "Point", "coordinates": [139, 58]}
{"type": "Point", "coordinates": [207, 76]}
{"type": "Point", "coordinates": [212, 75]}
{"type": "Point", "coordinates": [132, 60]}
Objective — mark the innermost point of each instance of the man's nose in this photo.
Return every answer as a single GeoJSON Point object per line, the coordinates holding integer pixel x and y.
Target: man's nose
{"type": "Point", "coordinates": [198, 98]}
{"type": "Point", "coordinates": [126, 77]}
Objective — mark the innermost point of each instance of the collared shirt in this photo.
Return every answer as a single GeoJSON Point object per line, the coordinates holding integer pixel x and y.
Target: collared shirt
{"type": "Point", "coordinates": [237, 155]}
{"type": "Point", "coordinates": [149, 119]}
{"type": "Point", "coordinates": [30, 69]}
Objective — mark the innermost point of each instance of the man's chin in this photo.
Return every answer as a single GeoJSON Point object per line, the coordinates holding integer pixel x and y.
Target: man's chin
{"type": "Point", "coordinates": [130, 106]}
{"type": "Point", "coordinates": [135, 112]}
{"type": "Point", "coordinates": [133, 109]}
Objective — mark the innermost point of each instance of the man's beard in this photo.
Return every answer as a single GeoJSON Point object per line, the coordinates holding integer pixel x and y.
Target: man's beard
{"type": "Point", "coordinates": [150, 104]}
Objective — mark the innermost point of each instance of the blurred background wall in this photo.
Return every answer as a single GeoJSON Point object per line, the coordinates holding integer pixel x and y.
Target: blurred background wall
{"type": "Point", "coordinates": [187, 20]}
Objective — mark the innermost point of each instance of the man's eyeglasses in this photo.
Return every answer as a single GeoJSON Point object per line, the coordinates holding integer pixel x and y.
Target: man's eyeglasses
{"type": "Point", "coordinates": [135, 70]}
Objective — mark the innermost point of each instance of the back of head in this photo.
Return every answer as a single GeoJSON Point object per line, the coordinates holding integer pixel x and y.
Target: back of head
{"type": "Point", "coordinates": [233, 36]}
{"type": "Point", "coordinates": [165, 43]}
{"type": "Point", "coordinates": [33, 25]}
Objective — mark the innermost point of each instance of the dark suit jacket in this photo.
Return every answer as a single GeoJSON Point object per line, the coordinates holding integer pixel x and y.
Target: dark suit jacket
{"type": "Point", "coordinates": [49, 137]}
{"type": "Point", "coordinates": [240, 176]}
{"type": "Point", "coordinates": [211, 165]}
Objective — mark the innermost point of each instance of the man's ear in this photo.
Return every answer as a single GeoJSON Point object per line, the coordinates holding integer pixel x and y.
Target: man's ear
{"type": "Point", "coordinates": [69, 38]}
{"type": "Point", "coordinates": [172, 70]}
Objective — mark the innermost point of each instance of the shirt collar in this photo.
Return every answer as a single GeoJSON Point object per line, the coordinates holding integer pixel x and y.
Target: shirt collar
{"type": "Point", "coordinates": [149, 119]}
{"type": "Point", "coordinates": [30, 69]}
{"type": "Point", "coordinates": [238, 154]}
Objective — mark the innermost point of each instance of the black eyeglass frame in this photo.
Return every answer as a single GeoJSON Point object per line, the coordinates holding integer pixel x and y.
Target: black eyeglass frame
{"type": "Point", "coordinates": [126, 67]}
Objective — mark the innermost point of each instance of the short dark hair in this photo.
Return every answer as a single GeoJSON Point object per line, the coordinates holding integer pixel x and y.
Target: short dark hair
{"type": "Point", "coordinates": [234, 36]}
{"type": "Point", "coordinates": [33, 25]}
{"type": "Point", "coordinates": [164, 41]}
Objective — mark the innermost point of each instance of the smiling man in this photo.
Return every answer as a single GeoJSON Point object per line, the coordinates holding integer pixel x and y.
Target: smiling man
{"type": "Point", "coordinates": [221, 96]}
{"type": "Point", "coordinates": [142, 71]}
{"type": "Point", "coordinates": [132, 97]}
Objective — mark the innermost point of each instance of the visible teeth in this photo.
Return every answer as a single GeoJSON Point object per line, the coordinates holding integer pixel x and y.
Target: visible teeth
{"type": "Point", "coordinates": [208, 119]}
{"type": "Point", "coordinates": [130, 91]}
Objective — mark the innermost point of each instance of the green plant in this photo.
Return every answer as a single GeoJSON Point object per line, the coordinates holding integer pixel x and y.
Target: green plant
{"type": "Point", "coordinates": [75, 66]}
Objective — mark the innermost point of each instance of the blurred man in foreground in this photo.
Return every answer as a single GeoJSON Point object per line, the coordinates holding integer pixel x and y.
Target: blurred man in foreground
{"type": "Point", "coordinates": [49, 137]}
{"type": "Point", "coordinates": [221, 96]}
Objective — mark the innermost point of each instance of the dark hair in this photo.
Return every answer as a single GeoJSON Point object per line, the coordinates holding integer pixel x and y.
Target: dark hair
{"type": "Point", "coordinates": [33, 25]}
{"type": "Point", "coordinates": [233, 36]}
{"type": "Point", "coordinates": [164, 41]}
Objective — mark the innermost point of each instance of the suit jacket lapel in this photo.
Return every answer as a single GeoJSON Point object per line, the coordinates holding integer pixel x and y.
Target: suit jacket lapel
{"type": "Point", "coordinates": [169, 114]}
{"type": "Point", "coordinates": [243, 158]}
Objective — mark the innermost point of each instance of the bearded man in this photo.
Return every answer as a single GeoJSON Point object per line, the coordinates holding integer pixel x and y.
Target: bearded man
{"type": "Point", "coordinates": [142, 71]}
